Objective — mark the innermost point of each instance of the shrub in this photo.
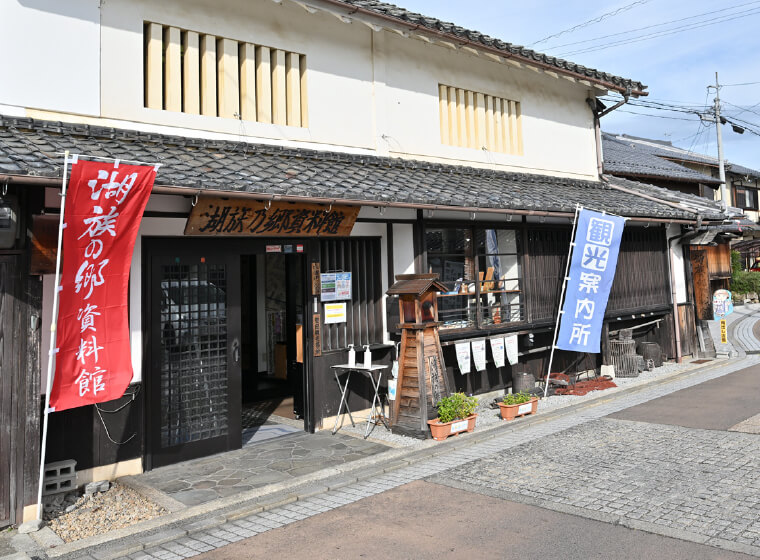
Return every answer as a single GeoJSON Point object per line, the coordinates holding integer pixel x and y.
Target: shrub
{"type": "Point", "coordinates": [745, 282]}
{"type": "Point", "coordinates": [456, 407]}
{"type": "Point", "coordinates": [736, 262]}
{"type": "Point", "coordinates": [517, 398]}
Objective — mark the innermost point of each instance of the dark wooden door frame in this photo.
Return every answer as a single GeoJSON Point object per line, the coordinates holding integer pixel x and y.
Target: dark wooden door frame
{"type": "Point", "coordinates": [235, 247]}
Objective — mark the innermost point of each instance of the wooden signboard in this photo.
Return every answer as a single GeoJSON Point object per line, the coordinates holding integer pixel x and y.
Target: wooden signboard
{"type": "Point", "coordinates": [316, 284]}
{"type": "Point", "coordinates": [215, 215]}
{"type": "Point", "coordinates": [316, 332]}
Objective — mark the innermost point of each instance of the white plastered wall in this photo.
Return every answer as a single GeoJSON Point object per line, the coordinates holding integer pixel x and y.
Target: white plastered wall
{"type": "Point", "coordinates": [368, 91]}
{"type": "Point", "coordinates": [51, 55]}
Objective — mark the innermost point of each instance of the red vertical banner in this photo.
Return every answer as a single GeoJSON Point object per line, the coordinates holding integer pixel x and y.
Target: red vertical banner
{"type": "Point", "coordinates": [104, 206]}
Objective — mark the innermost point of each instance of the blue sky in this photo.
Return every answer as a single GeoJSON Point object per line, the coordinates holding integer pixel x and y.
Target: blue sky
{"type": "Point", "coordinates": [677, 67]}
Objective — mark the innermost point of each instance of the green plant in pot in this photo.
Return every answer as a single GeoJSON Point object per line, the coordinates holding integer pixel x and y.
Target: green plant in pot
{"type": "Point", "coordinates": [456, 413]}
{"type": "Point", "coordinates": [518, 404]}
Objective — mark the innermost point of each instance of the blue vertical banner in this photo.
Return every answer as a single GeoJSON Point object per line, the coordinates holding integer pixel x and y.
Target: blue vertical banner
{"type": "Point", "coordinates": [592, 269]}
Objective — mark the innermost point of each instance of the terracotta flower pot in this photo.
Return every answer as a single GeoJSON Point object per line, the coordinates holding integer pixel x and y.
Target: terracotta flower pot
{"type": "Point", "coordinates": [442, 430]}
{"type": "Point", "coordinates": [512, 411]}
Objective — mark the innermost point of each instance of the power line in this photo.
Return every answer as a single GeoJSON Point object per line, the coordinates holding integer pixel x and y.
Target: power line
{"type": "Point", "coordinates": [655, 25]}
{"type": "Point", "coordinates": [664, 33]}
{"type": "Point", "coordinates": [744, 109]}
{"type": "Point", "coordinates": [654, 116]}
{"type": "Point", "coordinates": [592, 21]}
{"type": "Point", "coordinates": [744, 84]}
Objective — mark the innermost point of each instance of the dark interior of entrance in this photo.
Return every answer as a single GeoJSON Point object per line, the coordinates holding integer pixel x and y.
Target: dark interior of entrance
{"type": "Point", "coordinates": [272, 341]}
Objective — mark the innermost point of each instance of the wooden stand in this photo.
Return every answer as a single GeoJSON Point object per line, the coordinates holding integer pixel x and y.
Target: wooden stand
{"type": "Point", "coordinates": [421, 373]}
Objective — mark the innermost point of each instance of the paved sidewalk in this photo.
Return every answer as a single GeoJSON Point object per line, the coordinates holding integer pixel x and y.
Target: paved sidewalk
{"type": "Point", "coordinates": [190, 536]}
{"type": "Point", "coordinates": [277, 460]}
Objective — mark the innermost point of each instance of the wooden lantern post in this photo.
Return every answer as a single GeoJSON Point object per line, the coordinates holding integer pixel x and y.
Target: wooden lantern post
{"type": "Point", "coordinates": [421, 370]}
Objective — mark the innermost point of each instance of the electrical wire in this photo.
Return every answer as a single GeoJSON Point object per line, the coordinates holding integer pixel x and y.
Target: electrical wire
{"type": "Point", "coordinates": [664, 33]}
{"type": "Point", "coordinates": [592, 21]}
{"type": "Point", "coordinates": [654, 25]}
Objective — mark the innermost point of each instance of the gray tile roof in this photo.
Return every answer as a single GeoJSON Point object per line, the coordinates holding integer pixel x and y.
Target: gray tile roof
{"type": "Point", "coordinates": [34, 147]}
{"type": "Point", "coordinates": [704, 206]}
{"type": "Point", "coordinates": [745, 171]}
{"type": "Point", "coordinates": [667, 150]}
{"type": "Point", "coordinates": [626, 157]}
{"type": "Point", "coordinates": [508, 49]}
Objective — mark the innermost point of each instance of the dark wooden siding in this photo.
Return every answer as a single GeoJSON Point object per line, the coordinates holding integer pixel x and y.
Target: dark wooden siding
{"type": "Point", "coordinates": [641, 280]}
{"type": "Point", "coordinates": [364, 321]}
{"type": "Point", "coordinates": [545, 261]}
{"type": "Point", "coordinates": [20, 297]}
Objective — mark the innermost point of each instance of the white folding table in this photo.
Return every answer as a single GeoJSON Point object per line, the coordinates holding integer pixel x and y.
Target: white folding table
{"type": "Point", "coordinates": [375, 374]}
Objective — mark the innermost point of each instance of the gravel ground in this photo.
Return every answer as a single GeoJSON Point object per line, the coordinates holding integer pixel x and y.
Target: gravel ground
{"type": "Point", "coordinates": [488, 416]}
{"type": "Point", "coordinates": [99, 513]}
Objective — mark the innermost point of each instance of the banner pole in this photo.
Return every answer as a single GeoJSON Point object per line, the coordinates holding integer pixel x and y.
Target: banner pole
{"type": "Point", "coordinates": [561, 298]}
{"type": "Point", "coordinates": [53, 333]}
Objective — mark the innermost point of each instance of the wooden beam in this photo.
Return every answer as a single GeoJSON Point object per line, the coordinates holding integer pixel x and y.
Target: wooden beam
{"type": "Point", "coordinates": [279, 95]}
{"type": "Point", "coordinates": [228, 84]}
{"type": "Point", "coordinates": [293, 88]}
{"type": "Point", "coordinates": [263, 85]}
{"type": "Point", "coordinates": [208, 75]}
{"type": "Point", "coordinates": [153, 78]}
{"type": "Point", "coordinates": [172, 69]}
{"type": "Point", "coordinates": [247, 59]}
{"type": "Point", "coordinates": [191, 86]}
{"type": "Point", "coordinates": [304, 94]}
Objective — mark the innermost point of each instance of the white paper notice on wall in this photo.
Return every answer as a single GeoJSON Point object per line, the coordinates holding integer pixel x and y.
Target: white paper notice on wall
{"type": "Point", "coordinates": [510, 345]}
{"type": "Point", "coordinates": [497, 351]}
{"type": "Point", "coordinates": [463, 356]}
{"type": "Point", "coordinates": [479, 354]}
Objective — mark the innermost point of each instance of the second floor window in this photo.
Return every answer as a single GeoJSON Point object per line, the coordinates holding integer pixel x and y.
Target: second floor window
{"type": "Point", "coordinates": [470, 119]}
{"type": "Point", "coordinates": [202, 74]}
{"type": "Point", "coordinates": [745, 197]}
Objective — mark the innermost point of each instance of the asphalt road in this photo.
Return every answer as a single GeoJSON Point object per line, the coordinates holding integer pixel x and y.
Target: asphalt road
{"type": "Point", "coordinates": [424, 520]}
{"type": "Point", "coordinates": [714, 405]}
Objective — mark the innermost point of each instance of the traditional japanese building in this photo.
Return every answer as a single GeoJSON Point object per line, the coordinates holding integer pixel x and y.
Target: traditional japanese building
{"type": "Point", "coordinates": [309, 153]}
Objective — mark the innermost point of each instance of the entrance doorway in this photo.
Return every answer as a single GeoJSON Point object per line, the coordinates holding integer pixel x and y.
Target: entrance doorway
{"type": "Point", "coordinates": [272, 331]}
{"type": "Point", "coordinates": [226, 336]}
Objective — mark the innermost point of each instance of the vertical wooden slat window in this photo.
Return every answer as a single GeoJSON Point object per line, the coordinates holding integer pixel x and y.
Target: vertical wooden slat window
{"type": "Point", "coordinates": [187, 71]}
{"type": "Point", "coordinates": [472, 119]}
{"type": "Point", "coordinates": [361, 257]}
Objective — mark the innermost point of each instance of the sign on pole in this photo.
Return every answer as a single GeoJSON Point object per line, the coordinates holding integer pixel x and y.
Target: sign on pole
{"type": "Point", "coordinates": [92, 359]}
{"type": "Point", "coordinates": [592, 270]}
{"type": "Point", "coordinates": [723, 304]}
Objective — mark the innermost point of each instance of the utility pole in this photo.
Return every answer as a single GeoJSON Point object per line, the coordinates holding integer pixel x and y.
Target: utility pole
{"type": "Point", "coordinates": [721, 167]}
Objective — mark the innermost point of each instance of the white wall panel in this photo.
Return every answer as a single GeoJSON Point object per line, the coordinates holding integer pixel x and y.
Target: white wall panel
{"type": "Point", "coordinates": [51, 57]}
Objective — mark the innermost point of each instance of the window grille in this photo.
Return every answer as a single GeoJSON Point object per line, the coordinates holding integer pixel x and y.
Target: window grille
{"type": "Point", "coordinates": [196, 73]}
{"type": "Point", "coordinates": [471, 119]}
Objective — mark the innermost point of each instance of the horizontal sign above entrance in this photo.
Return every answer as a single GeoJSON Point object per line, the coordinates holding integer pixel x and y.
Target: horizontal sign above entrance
{"type": "Point", "coordinates": [214, 215]}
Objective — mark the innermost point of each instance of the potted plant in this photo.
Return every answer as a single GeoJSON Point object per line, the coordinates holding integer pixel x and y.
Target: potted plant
{"type": "Point", "coordinates": [518, 404]}
{"type": "Point", "coordinates": [456, 413]}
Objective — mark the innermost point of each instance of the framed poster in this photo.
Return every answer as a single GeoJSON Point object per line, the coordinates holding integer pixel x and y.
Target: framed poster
{"type": "Point", "coordinates": [335, 286]}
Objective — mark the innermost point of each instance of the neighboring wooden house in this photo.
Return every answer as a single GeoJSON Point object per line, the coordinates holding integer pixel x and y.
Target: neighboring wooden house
{"type": "Point", "coordinates": [455, 152]}
{"type": "Point", "coordinates": [707, 251]}
{"type": "Point", "coordinates": [660, 163]}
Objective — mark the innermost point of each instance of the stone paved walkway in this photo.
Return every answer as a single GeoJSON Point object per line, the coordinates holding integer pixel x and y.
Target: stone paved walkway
{"type": "Point", "coordinates": [286, 457]}
{"type": "Point", "coordinates": [706, 482]}
{"type": "Point", "coordinates": [183, 542]}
